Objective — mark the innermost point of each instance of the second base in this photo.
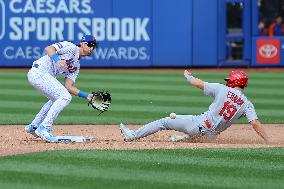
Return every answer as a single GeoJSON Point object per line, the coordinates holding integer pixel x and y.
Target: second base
{"type": "Point", "coordinates": [73, 139]}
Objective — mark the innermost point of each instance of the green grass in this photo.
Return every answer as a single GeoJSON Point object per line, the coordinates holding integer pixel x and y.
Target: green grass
{"type": "Point", "coordinates": [195, 168]}
{"type": "Point", "coordinates": [138, 97]}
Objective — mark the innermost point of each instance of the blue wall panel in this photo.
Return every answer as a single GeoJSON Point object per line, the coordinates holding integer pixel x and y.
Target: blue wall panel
{"type": "Point", "coordinates": [101, 10]}
{"type": "Point", "coordinates": [205, 32]}
{"type": "Point", "coordinates": [137, 50]}
{"type": "Point", "coordinates": [172, 33]}
{"type": "Point", "coordinates": [221, 31]}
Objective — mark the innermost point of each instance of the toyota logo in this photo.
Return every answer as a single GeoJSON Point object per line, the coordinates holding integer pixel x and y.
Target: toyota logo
{"type": "Point", "coordinates": [268, 51]}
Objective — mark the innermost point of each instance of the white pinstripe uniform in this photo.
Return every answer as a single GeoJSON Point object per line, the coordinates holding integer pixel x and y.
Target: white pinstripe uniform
{"type": "Point", "coordinates": [43, 77]}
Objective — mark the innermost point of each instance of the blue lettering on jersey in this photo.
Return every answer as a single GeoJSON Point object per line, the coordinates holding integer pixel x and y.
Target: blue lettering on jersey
{"type": "Point", "coordinates": [59, 45]}
{"type": "Point", "coordinates": [70, 67]}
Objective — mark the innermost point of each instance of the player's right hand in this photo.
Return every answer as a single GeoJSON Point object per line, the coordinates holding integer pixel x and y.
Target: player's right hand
{"type": "Point", "coordinates": [187, 73]}
{"type": "Point", "coordinates": [62, 64]}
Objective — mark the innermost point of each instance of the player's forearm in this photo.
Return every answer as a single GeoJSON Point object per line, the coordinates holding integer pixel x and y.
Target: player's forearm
{"type": "Point", "coordinates": [69, 85]}
{"type": "Point", "coordinates": [77, 92]}
{"type": "Point", "coordinates": [72, 90]}
{"type": "Point", "coordinates": [196, 82]}
{"type": "Point", "coordinates": [50, 51]}
{"type": "Point", "coordinates": [260, 130]}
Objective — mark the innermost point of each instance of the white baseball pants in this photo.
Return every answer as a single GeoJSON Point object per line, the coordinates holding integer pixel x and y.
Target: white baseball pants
{"type": "Point", "coordinates": [57, 94]}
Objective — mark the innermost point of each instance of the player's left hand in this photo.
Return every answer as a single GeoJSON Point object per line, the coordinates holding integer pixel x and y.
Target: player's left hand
{"type": "Point", "coordinates": [187, 73]}
{"type": "Point", "coordinates": [100, 100]}
{"type": "Point", "coordinates": [90, 97]}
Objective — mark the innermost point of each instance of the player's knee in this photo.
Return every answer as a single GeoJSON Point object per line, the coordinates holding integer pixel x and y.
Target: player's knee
{"type": "Point", "coordinates": [67, 97]}
{"type": "Point", "coordinates": [49, 103]}
{"type": "Point", "coordinates": [164, 123]}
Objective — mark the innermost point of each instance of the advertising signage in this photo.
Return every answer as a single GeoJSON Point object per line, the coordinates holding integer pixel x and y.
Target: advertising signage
{"type": "Point", "coordinates": [28, 26]}
{"type": "Point", "coordinates": [268, 51]}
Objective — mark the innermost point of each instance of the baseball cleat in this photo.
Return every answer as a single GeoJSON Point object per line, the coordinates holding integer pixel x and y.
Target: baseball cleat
{"type": "Point", "coordinates": [128, 135]}
{"type": "Point", "coordinates": [45, 134]}
{"type": "Point", "coordinates": [31, 129]}
{"type": "Point", "coordinates": [178, 138]}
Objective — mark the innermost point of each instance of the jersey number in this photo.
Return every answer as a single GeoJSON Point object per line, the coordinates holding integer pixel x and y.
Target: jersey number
{"type": "Point", "coordinates": [228, 111]}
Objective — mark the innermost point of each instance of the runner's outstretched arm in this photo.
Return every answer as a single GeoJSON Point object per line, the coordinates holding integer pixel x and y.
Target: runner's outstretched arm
{"type": "Point", "coordinates": [193, 80]}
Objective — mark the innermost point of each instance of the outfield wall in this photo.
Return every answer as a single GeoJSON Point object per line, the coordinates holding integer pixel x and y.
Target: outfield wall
{"type": "Point", "coordinates": [132, 33]}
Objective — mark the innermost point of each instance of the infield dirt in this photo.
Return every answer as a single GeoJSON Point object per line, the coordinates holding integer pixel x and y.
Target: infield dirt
{"type": "Point", "coordinates": [14, 140]}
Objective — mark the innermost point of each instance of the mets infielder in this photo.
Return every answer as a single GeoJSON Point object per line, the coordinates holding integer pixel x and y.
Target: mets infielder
{"type": "Point", "coordinates": [61, 59]}
{"type": "Point", "coordinates": [230, 103]}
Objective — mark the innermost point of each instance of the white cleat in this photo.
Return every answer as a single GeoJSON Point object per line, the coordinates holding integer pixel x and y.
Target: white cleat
{"type": "Point", "coordinates": [45, 134]}
{"type": "Point", "coordinates": [178, 138]}
{"type": "Point", "coordinates": [31, 129]}
{"type": "Point", "coordinates": [128, 135]}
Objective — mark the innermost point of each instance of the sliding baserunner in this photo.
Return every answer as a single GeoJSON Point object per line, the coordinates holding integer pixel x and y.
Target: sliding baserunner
{"type": "Point", "coordinates": [229, 104]}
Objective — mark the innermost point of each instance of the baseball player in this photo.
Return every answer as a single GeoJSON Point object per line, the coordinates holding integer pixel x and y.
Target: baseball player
{"type": "Point", "coordinates": [61, 59]}
{"type": "Point", "coordinates": [229, 104]}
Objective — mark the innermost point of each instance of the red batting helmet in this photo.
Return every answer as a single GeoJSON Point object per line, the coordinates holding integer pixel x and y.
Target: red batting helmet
{"type": "Point", "coordinates": [237, 78]}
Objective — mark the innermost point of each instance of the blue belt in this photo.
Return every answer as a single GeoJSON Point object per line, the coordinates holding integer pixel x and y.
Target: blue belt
{"type": "Point", "coordinates": [35, 65]}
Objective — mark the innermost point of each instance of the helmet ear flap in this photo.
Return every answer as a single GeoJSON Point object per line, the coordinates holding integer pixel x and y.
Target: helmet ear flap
{"type": "Point", "coordinates": [229, 83]}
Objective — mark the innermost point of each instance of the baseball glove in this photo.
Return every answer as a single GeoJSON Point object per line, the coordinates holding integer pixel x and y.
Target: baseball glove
{"type": "Point", "coordinates": [100, 101]}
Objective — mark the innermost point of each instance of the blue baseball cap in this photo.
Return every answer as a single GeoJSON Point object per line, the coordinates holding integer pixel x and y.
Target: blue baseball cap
{"type": "Point", "coordinates": [88, 38]}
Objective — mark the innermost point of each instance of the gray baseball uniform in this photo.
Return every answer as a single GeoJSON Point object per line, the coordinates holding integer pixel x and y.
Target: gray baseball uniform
{"type": "Point", "coordinates": [43, 75]}
{"type": "Point", "coordinates": [229, 105]}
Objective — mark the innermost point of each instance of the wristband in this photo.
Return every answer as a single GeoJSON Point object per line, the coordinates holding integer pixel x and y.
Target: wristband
{"type": "Point", "coordinates": [189, 78]}
{"type": "Point", "coordinates": [55, 58]}
{"type": "Point", "coordinates": [83, 94]}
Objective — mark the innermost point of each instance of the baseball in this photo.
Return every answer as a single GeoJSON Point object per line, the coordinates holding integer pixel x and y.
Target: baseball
{"type": "Point", "coordinates": [173, 115]}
